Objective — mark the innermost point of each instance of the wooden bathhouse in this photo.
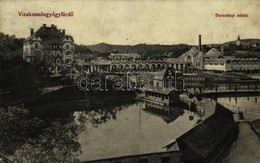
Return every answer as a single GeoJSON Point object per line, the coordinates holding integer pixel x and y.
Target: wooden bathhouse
{"type": "Point", "coordinates": [208, 140]}
{"type": "Point", "coordinates": [164, 93]}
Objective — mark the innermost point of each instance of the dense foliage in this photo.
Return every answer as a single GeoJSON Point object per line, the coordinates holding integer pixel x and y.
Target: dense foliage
{"type": "Point", "coordinates": [28, 139]}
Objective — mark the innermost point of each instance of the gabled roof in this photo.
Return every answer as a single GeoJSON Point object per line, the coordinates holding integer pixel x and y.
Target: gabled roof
{"type": "Point", "coordinates": [68, 37]}
{"type": "Point", "coordinates": [193, 52]}
{"type": "Point", "coordinates": [213, 53]}
{"type": "Point", "coordinates": [200, 54]}
{"type": "Point", "coordinates": [49, 35]}
{"type": "Point", "coordinates": [202, 140]}
{"type": "Point", "coordinates": [163, 73]}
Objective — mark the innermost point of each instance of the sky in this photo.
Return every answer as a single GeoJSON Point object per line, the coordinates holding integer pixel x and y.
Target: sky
{"type": "Point", "coordinates": [129, 22]}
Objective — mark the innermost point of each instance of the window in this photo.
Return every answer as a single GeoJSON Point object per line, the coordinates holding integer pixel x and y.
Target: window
{"type": "Point", "coordinates": [36, 46]}
{"type": "Point", "coordinates": [165, 159]}
{"type": "Point", "coordinates": [67, 60]}
{"type": "Point", "coordinates": [68, 53]}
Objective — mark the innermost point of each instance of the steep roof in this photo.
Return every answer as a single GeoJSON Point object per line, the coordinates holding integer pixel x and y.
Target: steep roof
{"type": "Point", "coordinates": [68, 37]}
{"type": "Point", "coordinates": [193, 51]}
{"type": "Point", "coordinates": [202, 140]}
{"type": "Point", "coordinates": [166, 73]}
{"type": "Point", "coordinates": [213, 53]}
{"type": "Point", "coordinates": [49, 35]}
{"type": "Point", "coordinates": [199, 55]}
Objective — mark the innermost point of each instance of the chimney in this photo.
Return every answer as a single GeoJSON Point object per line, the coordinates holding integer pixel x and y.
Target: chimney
{"type": "Point", "coordinates": [32, 31]}
{"type": "Point", "coordinates": [63, 31]}
{"type": "Point", "coordinates": [44, 25]}
{"type": "Point", "coordinates": [200, 43]}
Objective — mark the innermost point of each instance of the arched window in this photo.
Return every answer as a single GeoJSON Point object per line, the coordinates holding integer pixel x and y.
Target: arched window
{"type": "Point", "coordinates": [228, 61]}
{"type": "Point", "coordinates": [189, 59]}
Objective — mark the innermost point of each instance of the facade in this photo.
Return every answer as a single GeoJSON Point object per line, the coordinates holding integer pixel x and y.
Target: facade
{"type": "Point", "coordinates": [245, 64]}
{"type": "Point", "coordinates": [177, 64]}
{"type": "Point", "coordinates": [49, 47]}
{"type": "Point", "coordinates": [124, 57]}
{"type": "Point", "coordinates": [159, 157]}
{"type": "Point", "coordinates": [193, 58]}
{"type": "Point", "coordinates": [134, 62]}
{"type": "Point", "coordinates": [165, 91]}
{"type": "Point", "coordinates": [164, 98]}
{"type": "Point", "coordinates": [215, 60]}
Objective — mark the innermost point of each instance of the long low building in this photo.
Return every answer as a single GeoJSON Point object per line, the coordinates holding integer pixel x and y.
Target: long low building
{"type": "Point", "coordinates": [208, 140]}
{"type": "Point", "coordinates": [159, 157]}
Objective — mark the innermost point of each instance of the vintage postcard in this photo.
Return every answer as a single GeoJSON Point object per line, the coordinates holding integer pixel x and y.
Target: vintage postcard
{"type": "Point", "coordinates": [128, 81]}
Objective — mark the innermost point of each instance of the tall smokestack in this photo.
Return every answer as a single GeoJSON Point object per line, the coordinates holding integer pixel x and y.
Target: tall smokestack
{"type": "Point", "coordinates": [32, 31]}
{"type": "Point", "coordinates": [63, 31]}
{"type": "Point", "coordinates": [200, 43]}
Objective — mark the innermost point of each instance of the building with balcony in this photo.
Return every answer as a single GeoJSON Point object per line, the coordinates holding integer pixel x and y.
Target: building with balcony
{"type": "Point", "coordinates": [49, 47]}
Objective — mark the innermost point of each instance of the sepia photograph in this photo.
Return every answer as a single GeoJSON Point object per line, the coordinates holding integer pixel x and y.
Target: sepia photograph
{"type": "Point", "coordinates": [129, 81]}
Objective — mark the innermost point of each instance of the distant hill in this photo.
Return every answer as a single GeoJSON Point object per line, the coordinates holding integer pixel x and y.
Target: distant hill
{"type": "Point", "coordinates": [143, 49]}
{"type": "Point", "coordinates": [249, 48]}
{"type": "Point", "coordinates": [244, 42]}
{"type": "Point", "coordinates": [82, 49]}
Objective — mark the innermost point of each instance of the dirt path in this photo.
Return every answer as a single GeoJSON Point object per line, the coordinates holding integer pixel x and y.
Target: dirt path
{"type": "Point", "coordinates": [246, 149]}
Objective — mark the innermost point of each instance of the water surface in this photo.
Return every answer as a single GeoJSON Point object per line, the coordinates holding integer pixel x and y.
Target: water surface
{"type": "Point", "coordinates": [133, 131]}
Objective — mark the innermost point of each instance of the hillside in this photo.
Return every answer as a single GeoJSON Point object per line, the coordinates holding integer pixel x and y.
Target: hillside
{"type": "Point", "coordinates": [82, 49]}
{"type": "Point", "coordinates": [244, 42]}
{"type": "Point", "coordinates": [144, 49]}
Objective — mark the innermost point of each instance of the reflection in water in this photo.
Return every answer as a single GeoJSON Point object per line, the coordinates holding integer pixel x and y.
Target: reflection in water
{"type": "Point", "coordinates": [133, 131]}
{"type": "Point", "coordinates": [168, 117]}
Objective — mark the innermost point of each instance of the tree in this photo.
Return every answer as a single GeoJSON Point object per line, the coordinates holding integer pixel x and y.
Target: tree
{"type": "Point", "coordinates": [17, 127]}
{"type": "Point", "coordinates": [57, 143]}
{"type": "Point", "coordinates": [23, 137]}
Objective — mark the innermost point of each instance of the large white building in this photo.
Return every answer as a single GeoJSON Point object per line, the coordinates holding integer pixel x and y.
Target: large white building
{"type": "Point", "coordinates": [49, 47]}
{"type": "Point", "coordinates": [215, 60]}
